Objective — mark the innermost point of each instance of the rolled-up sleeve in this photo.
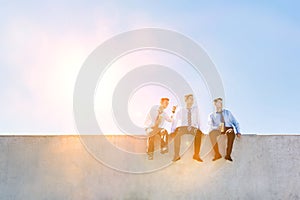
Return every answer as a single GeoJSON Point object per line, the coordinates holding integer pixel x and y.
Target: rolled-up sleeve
{"type": "Point", "coordinates": [211, 124]}
{"type": "Point", "coordinates": [235, 123]}
{"type": "Point", "coordinates": [175, 121]}
{"type": "Point", "coordinates": [149, 118]}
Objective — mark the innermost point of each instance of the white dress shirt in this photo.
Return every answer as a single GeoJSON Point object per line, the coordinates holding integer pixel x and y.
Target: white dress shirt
{"type": "Point", "coordinates": [181, 118]}
{"type": "Point", "coordinates": [152, 116]}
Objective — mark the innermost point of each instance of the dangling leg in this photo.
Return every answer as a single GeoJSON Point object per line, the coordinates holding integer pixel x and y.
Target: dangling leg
{"type": "Point", "coordinates": [230, 139]}
{"type": "Point", "coordinates": [177, 141]}
{"type": "Point", "coordinates": [213, 139]}
{"type": "Point", "coordinates": [150, 144]}
{"type": "Point", "coordinates": [164, 139]}
{"type": "Point", "coordinates": [197, 144]}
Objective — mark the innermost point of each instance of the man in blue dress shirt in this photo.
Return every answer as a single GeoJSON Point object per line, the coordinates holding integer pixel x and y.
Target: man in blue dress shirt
{"type": "Point", "coordinates": [222, 122]}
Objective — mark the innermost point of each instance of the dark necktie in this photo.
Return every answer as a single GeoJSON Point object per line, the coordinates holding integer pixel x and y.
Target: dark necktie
{"type": "Point", "coordinates": [222, 121]}
{"type": "Point", "coordinates": [222, 117]}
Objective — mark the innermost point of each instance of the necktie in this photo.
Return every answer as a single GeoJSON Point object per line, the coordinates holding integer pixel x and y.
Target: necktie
{"type": "Point", "coordinates": [189, 115]}
{"type": "Point", "coordinates": [222, 117]}
{"type": "Point", "coordinates": [222, 121]}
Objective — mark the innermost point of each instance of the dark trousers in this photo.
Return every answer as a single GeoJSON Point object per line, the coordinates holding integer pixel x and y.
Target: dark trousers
{"type": "Point", "coordinates": [184, 130]}
{"type": "Point", "coordinates": [230, 139]}
{"type": "Point", "coordinates": [164, 139]}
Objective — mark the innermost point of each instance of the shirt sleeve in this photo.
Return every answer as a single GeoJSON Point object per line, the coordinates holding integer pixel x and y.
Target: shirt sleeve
{"type": "Point", "coordinates": [149, 118]}
{"type": "Point", "coordinates": [175, 120]}
{"type": "Point", "coordinates": [211, 124]}
{"type": "Point", "coordinates": [167, 118]}
{"type": "Point", "coordinates": [235, 123]}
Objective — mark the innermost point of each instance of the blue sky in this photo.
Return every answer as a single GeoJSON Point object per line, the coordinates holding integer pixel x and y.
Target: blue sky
{"type": "Point", "coordinates": [255, 46]}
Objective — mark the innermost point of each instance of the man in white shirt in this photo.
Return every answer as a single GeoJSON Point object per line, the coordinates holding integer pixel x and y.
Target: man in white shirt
{"type": "Point", "coordinates": [155, 125]}
{"type": "Point", "coordinates": [187, 121]}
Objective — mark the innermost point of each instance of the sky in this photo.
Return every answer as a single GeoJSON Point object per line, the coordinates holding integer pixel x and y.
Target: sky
{"type": "Point", "coordinates": [254, 45]}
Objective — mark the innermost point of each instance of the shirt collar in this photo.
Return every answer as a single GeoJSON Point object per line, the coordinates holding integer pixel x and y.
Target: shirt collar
{"type": "Point", "coordinates": [215, 112]}
{"type": "Point", "coordinates": [190, 107]}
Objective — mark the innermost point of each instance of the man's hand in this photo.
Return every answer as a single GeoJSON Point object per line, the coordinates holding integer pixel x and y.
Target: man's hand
{"type": "Point", "coordinates": [239, 135]}
{"type": "Point", "coordinates": [220, 127]}
{"type": "Point", "coordinates": [174, 109]}
{"type": "Point", "coordinates": [149, 130]}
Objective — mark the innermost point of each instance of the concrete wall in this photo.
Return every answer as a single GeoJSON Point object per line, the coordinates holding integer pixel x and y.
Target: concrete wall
{"type": "Point", "coordinates": [59, 167]}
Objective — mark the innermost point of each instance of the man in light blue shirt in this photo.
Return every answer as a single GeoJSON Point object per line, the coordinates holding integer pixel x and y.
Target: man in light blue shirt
{"type": "Point", "coordinates": [222, 122]}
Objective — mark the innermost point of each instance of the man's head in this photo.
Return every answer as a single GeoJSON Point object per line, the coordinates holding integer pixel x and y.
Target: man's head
{"type": "Point", "coordinates": [164, 102]}
{"type": "Point", "coordinates": [218, 102]}
{"type": "Point", "coordinates": [189, 99]}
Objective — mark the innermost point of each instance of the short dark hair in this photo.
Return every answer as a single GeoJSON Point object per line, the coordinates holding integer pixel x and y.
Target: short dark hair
{"type": "Point", "coordinates": [217, 99]}
{"type": "Point", "coordinates": [164, 99]}
{"type": "Point", "coordinates": [188, 96]}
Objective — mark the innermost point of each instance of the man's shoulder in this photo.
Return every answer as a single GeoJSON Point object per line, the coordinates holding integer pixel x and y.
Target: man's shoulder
{"type": "Point", "coordinates": [212, 114]}
{"type": "Point", "coordinates": [226, 111]}
{"type": "Point", "coordinates": [180, 109]}
{"type": "Point", "coordinates": [154, 107]}
{"type": "Point", "coordinates": [195, 107]}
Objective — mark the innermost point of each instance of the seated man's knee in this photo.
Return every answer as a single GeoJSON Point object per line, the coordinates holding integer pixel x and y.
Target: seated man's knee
{"type": "Point", "coordinates": [150, 139]}
{"type": "Point", "coordinates": [198, 132]}
{"type": "Point", "coordinates": [230, 131]}
{"type": "Point", "coordinates": [177, 130]}
{"type": "Point", "coordinates": [214, 133]}
{"type": "Point", "coordinates": [164, 131]}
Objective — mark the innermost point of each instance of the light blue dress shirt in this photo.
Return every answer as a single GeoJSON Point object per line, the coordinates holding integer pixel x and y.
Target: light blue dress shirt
{"type": "Point", "coordinates": [214, 120]}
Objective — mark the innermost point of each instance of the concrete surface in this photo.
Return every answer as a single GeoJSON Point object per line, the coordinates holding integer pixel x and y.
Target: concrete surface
{"type": "Point", "coordinates": [59, 167]}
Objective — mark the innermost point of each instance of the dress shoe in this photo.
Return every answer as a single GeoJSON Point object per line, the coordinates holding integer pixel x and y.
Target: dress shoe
{"type": "Point", "coordinates": [217, 157]}
{"type": "Point", "coordinates": [197, 157]}
{"type": "Point", "coordinates": [165, 150]}
{"type": "Point", "coordinates": [150, 156]}
{"type": "Point", "coordinates": [228, 158]}
{"type": "Point", "coordinates": [176, 158]}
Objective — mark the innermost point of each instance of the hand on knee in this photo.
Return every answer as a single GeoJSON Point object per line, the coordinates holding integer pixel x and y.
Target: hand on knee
{"type": "Point", "coordinates": [230, 131]}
